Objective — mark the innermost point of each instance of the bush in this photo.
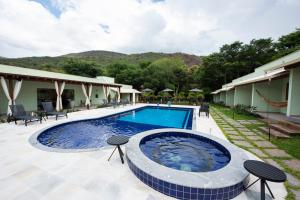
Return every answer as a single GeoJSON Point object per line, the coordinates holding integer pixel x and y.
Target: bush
{"type": "Point", "coordinates": [243, 109]}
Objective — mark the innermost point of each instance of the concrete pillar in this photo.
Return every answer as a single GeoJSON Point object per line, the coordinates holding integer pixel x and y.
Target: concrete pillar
{"type": "Point", "coordinates": [133, 97]}
{"type": "Point", "coordinates": [252, 94]}
{"type": "Point", "coordinates": [294, 93]}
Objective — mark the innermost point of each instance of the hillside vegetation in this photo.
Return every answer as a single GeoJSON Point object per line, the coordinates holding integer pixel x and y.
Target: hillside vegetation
{"type": "Point", "coordinates": [177, 71]}
{"type": "Point", "coordinates": [101, 58]}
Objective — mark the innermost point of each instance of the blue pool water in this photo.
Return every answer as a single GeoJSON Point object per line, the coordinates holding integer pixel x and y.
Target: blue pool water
{"type": "Point", "coordinates": [185, 152]}
{"type": "Point", "coordinates": [93, 133]}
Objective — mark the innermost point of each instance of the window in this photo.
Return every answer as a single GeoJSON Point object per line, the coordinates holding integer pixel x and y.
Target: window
{"type": "Point", "coordinates": [45, 94]}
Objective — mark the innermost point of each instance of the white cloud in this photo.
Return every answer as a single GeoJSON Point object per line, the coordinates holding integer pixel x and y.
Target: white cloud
{"type": "Point", "coordinates": [131, 26]}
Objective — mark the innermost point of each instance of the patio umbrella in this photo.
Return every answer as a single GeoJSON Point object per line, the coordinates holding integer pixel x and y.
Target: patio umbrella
{"type": "Point", "coordinates": [167, 90]}
{"type": "Point", "coordinates": [196, 90]}
{"type": "Point", "coordinates": [147, 90]}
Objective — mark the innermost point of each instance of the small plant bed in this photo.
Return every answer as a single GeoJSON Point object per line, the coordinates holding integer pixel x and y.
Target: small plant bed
{"type": "Point", "coordinates": [244, 132]}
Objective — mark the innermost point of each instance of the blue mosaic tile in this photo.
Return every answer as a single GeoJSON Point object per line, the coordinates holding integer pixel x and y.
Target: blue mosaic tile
{"type": "Point", "coordinates": [183, 192]}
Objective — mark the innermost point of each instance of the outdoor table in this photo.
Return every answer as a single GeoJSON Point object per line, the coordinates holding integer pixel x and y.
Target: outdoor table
{"type": "Point", "coordinates": [264, 172]}
{"type": "Point", "coordinates": [117, 140]}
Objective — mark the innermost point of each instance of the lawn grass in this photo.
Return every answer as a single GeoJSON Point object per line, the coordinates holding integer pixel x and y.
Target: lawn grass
{"type": "Point", "coordinates": [290, 145]}
{"type": "Point", "coordinates": [229, 113]}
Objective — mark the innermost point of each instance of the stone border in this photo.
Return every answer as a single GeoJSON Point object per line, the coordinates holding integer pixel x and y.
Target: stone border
{"type": "Point", "coordinates": [231, 174]}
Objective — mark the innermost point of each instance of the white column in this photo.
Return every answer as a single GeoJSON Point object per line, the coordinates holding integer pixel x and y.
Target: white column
{"type": "Point", "coordinates": [119, 94]}
{"type": "Point", "coordinates": [252, 94]}
{"type": "Point", "coordinates": [133, 97]}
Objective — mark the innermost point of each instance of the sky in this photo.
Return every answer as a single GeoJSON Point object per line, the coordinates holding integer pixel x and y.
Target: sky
{"type": "Point", "coordinates": [200, 27]}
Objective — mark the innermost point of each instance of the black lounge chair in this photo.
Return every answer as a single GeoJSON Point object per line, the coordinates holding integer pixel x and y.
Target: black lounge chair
{"type": "Point", "coordinates": [204, 108]}
{"type": "Point", "coordinates": [114, 103]}
{"type": "Point", "coordinates": [125, 102]}
{"type": "Point", "coordinates": [19, 113]}
{"type": "Point", "coordinates": [50, 111]}
{"type": "Point", "coordinates": [106, 103]}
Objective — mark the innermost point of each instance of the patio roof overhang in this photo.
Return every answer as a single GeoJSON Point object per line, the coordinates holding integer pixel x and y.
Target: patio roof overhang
{"type": "Point", "coordinates": [129, 91]}
{"type": "Point", "coordinates": [12, 72]}
{"type": "Point", "coordinates": [274, 74]}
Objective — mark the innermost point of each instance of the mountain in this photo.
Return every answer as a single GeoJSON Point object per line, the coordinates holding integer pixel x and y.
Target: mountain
{"type": "Point", "coordinates": [103, 58]}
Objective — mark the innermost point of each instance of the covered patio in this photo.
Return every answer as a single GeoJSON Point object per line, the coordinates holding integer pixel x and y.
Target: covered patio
{"type": "Point", "coordinates": [31, 87]}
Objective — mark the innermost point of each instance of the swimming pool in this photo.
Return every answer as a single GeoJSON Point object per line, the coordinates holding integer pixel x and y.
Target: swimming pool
{"type": "Point", "coordinates": [93, 133]}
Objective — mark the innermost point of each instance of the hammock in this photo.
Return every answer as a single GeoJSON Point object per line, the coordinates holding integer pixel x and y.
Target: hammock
{"type": "Point", "coordinates": [273, 103]}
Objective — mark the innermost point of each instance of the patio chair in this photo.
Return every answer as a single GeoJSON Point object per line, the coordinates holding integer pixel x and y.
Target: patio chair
{"type": "Point", "coordinates": [124, 102]}
{"type": "Point", "coordinates": [50, 111]}
{"type": "Point", "coordinates": [114, 103]}
{"type": "Point", "coordinates": [19, 113]}
{"type": "Point", "coordinates": [204, 108]}
{"type": "Point", "coordinates": [106, 103]}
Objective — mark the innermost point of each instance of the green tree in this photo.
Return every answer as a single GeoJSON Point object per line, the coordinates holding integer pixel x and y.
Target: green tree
{"type": "Point", "coordinates": [287, 44]}
{"type": "Point", "coordinates": [82, 68]}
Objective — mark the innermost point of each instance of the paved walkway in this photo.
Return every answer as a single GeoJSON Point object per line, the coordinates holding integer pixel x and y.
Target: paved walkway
{"type": "Point", "coordinates": [254, 141]}
{"type": "Point", "coordinates": [30, 173]}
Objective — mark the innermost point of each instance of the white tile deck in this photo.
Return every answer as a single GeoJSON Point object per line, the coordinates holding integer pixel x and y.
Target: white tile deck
{"type": "Point", "coordinates": [30, 173]}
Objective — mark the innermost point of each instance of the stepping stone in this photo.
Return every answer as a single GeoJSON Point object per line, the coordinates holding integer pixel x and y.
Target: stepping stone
{"type": "Point", "coordinates": [242, 143]}
{"type": "Point", "coordinates": [226, 126]}
{"type": "Point", "coordinates": [264, 144]}
{"type": "Point", "coordinates": [236, 137]}
{"type": "Point", "coordinates": [246, 123]}
{"type": "Point", "coordinates": [248, 133]}
{"type": "Point", "coordinates": [258, 152]}
{"type": "Point", "coordinates": [274, 163]}
{"type": "Point", "coordinates": [256, 122]}
{"type": "Point", "coordinates": [293, 164]}
{"type": "Point", "coordinates": [296, 193]}
{"type": "Point", "coordinates": [254, 137]}
{"type": "Point", "coordinates": [293, 181]}
{"type": "Point", "coordinates": [239, 126]}
{"type": "Point", "coordinates": [232, 132]}
{"type": "Point", "coordinates": [277, 153]}
{"type": "Point", "coordinates": [243, 129]}
{"type": "Point", "coordinates": [228, 129]}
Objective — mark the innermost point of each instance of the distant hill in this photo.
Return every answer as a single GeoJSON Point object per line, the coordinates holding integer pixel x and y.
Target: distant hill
{"type": "Point", "coordinates": [103, 58]}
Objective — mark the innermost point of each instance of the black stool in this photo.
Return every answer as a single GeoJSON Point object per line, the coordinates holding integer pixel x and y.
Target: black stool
{"type": "Point", "coordinates": [117, 140]}
{"type": "Point", "coordinates": [264, 172]}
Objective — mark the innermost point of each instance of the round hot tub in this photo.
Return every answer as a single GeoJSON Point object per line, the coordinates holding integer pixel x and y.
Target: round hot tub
{"type": "Point", "coordinates": [187, 164]}
{"type": "Point", "coordinates": [185, 151]}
